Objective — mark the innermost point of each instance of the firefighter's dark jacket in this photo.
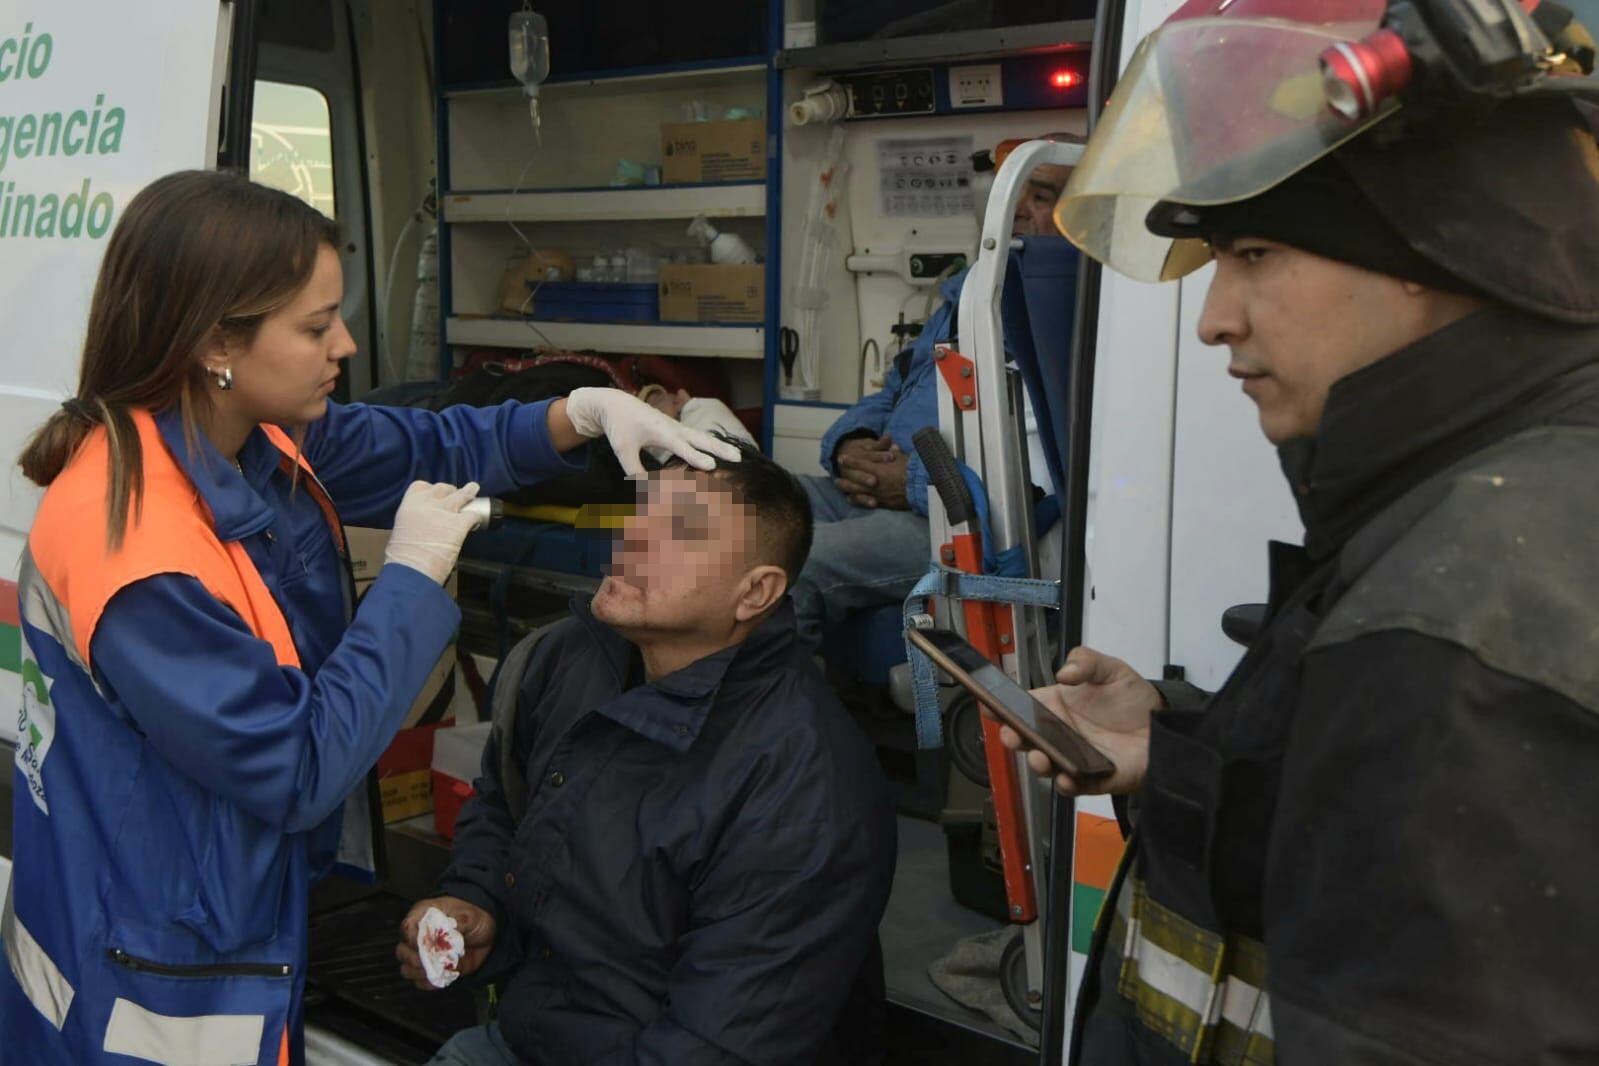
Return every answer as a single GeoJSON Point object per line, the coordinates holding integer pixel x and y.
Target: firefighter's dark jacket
{"type": "Point", "coordinates": [1398, 788]}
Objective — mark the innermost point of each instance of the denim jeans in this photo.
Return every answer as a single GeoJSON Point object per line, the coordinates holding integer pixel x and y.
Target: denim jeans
{"type": "Point", "coordinates": [861, 557]}
{"type": "Point", "coordinates": [479, 1046]}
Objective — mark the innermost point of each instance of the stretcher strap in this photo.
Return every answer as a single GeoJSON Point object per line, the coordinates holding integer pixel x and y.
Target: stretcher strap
{"type": "Point", "coordinates": [957, 584]}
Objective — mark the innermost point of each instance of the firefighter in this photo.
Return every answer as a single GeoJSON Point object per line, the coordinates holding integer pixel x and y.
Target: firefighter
{"type": "Point", "coordinates": [1375, 843]}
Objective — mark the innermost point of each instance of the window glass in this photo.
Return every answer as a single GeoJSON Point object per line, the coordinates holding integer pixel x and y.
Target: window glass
{"type": "Point", "coordinates": [291, 143]}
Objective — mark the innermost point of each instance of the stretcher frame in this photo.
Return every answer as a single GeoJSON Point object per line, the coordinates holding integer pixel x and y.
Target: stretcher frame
{"type": "Point", "coordinates": [982, 418]}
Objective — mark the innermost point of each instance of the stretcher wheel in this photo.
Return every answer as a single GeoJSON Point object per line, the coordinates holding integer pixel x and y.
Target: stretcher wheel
{"type": "Point", "coordinates": [965, 732]}
{"type": "Point", "coordinates": [1013, 982]}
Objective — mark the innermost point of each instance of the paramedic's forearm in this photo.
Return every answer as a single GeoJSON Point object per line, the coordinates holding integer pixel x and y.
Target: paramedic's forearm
{"type": "Point", "coordinates": [563, 434]}
{"type": "Point", "coordinates": [214, 702]}
{"type": "Point", "coordinates": [368, 455]}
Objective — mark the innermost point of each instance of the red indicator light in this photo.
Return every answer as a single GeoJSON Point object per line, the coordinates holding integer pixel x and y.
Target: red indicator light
{"type": "Point", "coordinates": [1065, 79]}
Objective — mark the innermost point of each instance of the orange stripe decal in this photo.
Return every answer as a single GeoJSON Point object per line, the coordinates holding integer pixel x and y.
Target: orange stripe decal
{"type": "Point", "coordinates": [1099, 850]}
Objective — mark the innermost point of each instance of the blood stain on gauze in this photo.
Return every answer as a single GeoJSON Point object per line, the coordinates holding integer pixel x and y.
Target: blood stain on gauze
{"type": "Point", "coordinates": [439, 943]}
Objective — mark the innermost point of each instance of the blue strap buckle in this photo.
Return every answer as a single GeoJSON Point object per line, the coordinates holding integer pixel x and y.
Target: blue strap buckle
{"type": "Point", "coordinates": [958, 585]}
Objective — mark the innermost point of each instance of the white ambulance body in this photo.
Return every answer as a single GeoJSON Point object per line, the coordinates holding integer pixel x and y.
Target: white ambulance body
{"type": "Point", "coordinates": [97, 100]}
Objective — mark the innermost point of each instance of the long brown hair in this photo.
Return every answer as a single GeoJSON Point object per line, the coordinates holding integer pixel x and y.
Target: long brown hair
{"type": "Point", "coordinates": [196, 254]}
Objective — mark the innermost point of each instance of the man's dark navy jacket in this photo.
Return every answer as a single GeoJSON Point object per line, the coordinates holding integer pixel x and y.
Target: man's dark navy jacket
{"type": "Point", "coordinates": [702, 865]}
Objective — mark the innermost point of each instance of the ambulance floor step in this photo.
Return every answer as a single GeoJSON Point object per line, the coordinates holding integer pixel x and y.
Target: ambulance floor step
{"type": "Point", "coordinates": [922, 924]}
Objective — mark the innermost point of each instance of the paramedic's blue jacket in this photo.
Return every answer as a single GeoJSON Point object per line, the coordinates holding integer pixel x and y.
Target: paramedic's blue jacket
{"type": "Point", "coordinates": [191, 788]}
{"type": "Point", "coordinates": [908, 400]}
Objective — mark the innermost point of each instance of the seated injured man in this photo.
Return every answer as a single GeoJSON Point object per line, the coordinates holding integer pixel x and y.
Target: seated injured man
{"type": "Point", "coordinates": [871, 506]}
{"type": "Point", "coordinates": [680, 849]}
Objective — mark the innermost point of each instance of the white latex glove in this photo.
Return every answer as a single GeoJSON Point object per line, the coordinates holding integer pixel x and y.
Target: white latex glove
{"type": "Point", "coordinates": [429, 528]}
{"type": "Point", "coordinates": [709, 415]}
{"type": "Point", "coordinates": [632, 425]}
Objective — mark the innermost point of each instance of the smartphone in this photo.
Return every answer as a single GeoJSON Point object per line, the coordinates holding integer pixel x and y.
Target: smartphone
{"type": "Point", "coordinates": [1012, 704]}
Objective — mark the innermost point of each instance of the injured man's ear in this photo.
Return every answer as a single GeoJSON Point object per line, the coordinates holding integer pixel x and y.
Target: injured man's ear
{"type": "Point", "coordinates": [707, 552]}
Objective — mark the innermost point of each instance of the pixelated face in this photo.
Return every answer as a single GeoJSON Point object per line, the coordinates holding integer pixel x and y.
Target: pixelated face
{"type": "Point", "coordinates": [680, 559]}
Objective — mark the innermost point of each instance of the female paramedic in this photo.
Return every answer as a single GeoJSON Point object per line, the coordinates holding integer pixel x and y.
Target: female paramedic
{"type": "Point", "coordinates": [1375, 844]}
{"type": "Point", "coordinates": [199, 697]}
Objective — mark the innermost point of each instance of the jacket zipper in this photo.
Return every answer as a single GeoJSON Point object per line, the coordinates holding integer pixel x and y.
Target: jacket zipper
{"type": "Point", "coordinates": [223, 969]}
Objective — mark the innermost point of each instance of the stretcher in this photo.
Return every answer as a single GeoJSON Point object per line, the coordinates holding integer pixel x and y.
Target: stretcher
{"type": "Point", "coordinates": [1015, 323]}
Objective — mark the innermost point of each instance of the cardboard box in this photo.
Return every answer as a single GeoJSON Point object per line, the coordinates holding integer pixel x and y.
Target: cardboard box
{"type": "Point", "coordinates": [457, 761]}
{"type": "Point", "coordinates": [366, 547]}
{"type": "Point", "coordinates": [436, 702]}
{"type": "Point", "coordinates": [713, 151]}
{"type": "Point", "coordinates": [405, 774]}
{"type": "Point", "coordinates": [405, 767]}
{"type": "Point", "coordinates": [704, 292]}
{"type": "Point", "coordinates": [405, 778]}
{"type": "Point", "coordinates": [366, 551]}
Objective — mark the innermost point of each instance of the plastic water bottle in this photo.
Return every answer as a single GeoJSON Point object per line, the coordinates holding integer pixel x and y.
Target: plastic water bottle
{"type": "Point", "coordinates": [727, 248]}
{"type": "Point", "coordinates": [422, 362]}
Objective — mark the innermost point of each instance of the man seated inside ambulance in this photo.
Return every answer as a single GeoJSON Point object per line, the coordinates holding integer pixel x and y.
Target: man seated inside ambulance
{"type": "Point", "coordinates": [871, 508]}
{"type": "Point", "coordinates": [680, 849]}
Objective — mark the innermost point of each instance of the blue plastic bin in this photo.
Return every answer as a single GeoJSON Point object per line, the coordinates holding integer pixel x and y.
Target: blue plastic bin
{"type": "Point", "coordinates": [595, 301]}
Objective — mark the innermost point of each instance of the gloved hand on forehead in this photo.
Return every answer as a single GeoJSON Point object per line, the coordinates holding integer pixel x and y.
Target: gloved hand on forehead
{"type": "Point", "coordinates": [631, 425]}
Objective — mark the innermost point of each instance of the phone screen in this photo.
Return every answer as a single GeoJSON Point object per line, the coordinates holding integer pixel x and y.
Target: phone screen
{"type": "Point", "coordinates": [1013, 704]}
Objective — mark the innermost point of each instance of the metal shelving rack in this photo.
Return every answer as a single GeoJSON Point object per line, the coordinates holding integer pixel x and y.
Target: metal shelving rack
{"type": "Point", "coordinates": [603, 204]}
{"type": "Point", "coordinates": [939, 47]}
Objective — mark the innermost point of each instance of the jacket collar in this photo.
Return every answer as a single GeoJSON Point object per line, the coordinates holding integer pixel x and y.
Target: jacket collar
{"type": "Point", "coordinates": [672, 710]}
{"type": "Point", "coordinates": [237, 507]}
{"type": "Point", "coordinates": [1391, 425]}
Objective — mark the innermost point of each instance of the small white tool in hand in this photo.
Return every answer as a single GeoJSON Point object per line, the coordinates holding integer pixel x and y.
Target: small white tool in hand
{"type": "Point", "coordinates": [439, 943]}
{"type": "Point", "coordinates": [488, 511]}
{"type": "Point", "coordinates": [429, 528]}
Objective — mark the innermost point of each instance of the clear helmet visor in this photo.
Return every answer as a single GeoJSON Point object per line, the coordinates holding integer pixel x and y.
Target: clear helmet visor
{"type": "Point", "coordinates": [1210, 111]}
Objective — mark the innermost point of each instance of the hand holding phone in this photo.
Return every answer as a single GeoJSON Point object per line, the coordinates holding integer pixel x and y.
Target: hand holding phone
{"type": "Point", "coordinates": [1111, 704]}
{"type": "Point", "coordinates": [1067, 750]}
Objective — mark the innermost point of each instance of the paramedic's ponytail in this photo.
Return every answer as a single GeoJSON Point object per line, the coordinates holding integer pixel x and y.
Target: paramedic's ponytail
{"type": "Point", "coordinates": [197, 258]}
{"type": "Point", "coordinates": [59, 438]}
{"type": "Point", "coordinates": [52, 446]}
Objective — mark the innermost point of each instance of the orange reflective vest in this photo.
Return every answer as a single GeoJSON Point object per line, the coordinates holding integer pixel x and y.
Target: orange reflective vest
{"type": "Point", "coordinates": [102, 1001]}
{"type": "Point", "coordinates": [171, 533]}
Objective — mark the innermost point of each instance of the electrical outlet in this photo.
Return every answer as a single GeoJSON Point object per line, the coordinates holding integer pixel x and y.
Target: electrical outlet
{"type": "Point", "coordinates": [976, 86]}
{"type": "Point", "coordinates": [928, 265]}
{"type": "Point", "coordinates": [875, 94]}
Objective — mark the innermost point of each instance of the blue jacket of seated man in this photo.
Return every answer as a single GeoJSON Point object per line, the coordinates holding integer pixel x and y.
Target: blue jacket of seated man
{"type": "Point", "coordinates": [702, 864]}
{"type": "Point", "coordinates": [908, 400]}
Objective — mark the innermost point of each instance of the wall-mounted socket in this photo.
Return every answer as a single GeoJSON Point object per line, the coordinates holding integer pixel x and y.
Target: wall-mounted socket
{"type": "Point", "coordinates": [977, 86]}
